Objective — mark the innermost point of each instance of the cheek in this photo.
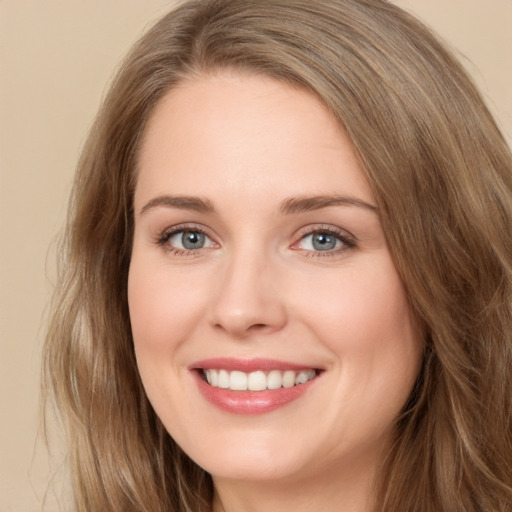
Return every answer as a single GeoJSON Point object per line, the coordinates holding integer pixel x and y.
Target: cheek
{"type": "Point", "coordinates": [364, 319]}
{"type": "Point", "coordinates": [359, 307]}
{"type": "Point", "coordinates": [149, 304]}
{"type": "Point", "coordinates": [163, 306]}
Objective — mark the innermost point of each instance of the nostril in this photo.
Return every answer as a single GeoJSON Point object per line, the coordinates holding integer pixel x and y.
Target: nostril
{"type": "Point", "coordinates": [258, 327]}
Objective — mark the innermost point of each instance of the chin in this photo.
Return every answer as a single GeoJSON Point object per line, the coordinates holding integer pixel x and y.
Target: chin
{"type": "Point", "coordinates": [250, 456]}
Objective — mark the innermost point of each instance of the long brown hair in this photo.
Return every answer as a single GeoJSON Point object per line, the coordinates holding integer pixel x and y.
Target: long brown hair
{"type": "Point", "coordinates": [442, 176]}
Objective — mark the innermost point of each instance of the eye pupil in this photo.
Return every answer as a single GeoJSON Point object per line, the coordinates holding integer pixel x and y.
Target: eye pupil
{"type": "Point", "coordinates": [323, 242]}
{"type": "Point", "coordinates": [192, 240]}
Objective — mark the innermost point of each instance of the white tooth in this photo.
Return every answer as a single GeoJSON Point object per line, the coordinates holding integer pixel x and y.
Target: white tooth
{"type": "Point", "coordinates": [288, 379]}
{"type": "Point", "coordinates": [223, 379]}
{"type": "Point", "coordinates": [238, 381]}
{"type": "Point", "coordinates": [257, 381]}
{"type": "Point", "coordinates": [274, 380]}
{"type": "Point", "coordinates": [208, 376]}
{"type": "Point", "coordinates": [302, 377]}
{"type": "Point", "coordinates": [214, 377]}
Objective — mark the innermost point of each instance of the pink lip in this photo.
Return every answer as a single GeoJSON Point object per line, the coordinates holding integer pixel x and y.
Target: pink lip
{"type": "Point", "coordinates": [246, 365]}
{"type": "Point", "coordinates": [248, 402]}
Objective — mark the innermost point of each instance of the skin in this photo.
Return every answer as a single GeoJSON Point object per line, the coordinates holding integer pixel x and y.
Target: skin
{"type": "Point", "coordinates": [260, 288]}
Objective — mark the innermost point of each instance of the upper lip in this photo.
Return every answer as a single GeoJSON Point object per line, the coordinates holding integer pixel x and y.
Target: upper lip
{"type": "Point", "coordinates": [248, 365]}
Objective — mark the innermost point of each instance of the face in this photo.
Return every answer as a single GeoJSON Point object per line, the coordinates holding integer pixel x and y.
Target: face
{"type": "Point", "coordinates": [272, 332]}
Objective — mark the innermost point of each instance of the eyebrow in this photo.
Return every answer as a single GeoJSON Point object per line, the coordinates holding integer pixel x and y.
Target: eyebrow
{"type": "Point", "coordinates": [196, 204]}
{"type": "Point", "coordinates": [303, 204]}
{"type": "Point", "coordinates": [289, 206]}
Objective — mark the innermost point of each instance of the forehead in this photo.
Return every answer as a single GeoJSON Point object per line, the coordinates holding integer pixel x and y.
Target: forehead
{"type": "Point", "coordinates": [233, 131]}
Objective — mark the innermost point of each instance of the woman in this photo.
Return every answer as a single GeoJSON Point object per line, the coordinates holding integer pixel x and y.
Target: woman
{"type": "Point", "coordinates": [287, 281]}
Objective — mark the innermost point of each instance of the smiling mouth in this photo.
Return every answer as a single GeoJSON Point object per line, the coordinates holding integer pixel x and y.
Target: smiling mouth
{"type": "Point", "coordinates": [258, 380]}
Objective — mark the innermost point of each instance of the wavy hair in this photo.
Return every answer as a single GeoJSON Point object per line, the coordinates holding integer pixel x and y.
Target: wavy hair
{"type": "Point", "coordinates": [441, 173]}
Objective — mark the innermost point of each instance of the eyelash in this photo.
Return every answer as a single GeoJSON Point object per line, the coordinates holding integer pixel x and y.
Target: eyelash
{"type": "Point", "coordinates": [164, 238]}
{"type": "Point", "coordinates": [348, 241]}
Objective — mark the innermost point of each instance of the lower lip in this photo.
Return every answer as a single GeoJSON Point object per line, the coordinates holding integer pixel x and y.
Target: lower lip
{"type": "Point", "coordinates": [250, 403]}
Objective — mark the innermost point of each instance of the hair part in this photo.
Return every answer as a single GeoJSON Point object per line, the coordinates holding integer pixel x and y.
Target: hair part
{"type": "Point", "coordinates": [442, 176]}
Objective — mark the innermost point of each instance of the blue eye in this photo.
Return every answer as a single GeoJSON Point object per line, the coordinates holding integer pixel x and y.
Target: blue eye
{"type": "Point", "coordinates": [320, 242]}
{"type": "Point", "coordinates": [189, 240]}
{"type": "Point", "coordinates": [325, 241]}
{"type": "Point", "coordinates": [186, 240]}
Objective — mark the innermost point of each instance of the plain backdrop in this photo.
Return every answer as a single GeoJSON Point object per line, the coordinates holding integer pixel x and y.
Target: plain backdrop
{"type": "Point", "coordinates": [56, 57]}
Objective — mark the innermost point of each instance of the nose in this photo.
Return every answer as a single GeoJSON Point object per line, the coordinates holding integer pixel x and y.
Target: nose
{"type": "Point", "coordinates": [249, 299]}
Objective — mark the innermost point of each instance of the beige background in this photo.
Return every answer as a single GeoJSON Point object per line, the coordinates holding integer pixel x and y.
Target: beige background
{"type": "Point", "coordinates": [55, 59]}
